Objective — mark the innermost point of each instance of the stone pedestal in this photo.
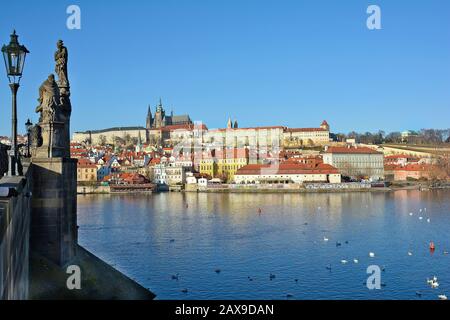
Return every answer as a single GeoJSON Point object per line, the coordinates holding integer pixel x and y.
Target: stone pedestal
{"type": "Point", "coordinates": [54, 209]}
{"type": "Point", "coordinates": [55, 142]}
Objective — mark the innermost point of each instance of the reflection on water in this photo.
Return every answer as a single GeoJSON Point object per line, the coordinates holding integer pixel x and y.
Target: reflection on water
{"type": "Point", "coordinates": [152, 237]}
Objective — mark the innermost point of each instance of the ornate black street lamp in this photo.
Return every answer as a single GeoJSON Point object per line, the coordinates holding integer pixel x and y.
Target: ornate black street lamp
{"type": "Point", "coordinates": [28, 126]}
{"type": "Point", "coordinates": [14, 56]}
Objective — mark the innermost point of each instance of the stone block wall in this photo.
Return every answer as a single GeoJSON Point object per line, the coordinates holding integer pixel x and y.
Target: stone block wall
{"type": "Point", "coordinates": [14, 238]}
{"type": "Point", "coordinates": [54, 205]}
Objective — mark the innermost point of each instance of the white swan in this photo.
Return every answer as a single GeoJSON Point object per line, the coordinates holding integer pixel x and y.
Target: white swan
{"type": "Point", "coordinates": [435, 284]}
{"type": "Point", "coordinates": [371, 254]}
{"type": "Point", "coordinates": [410, 253]}
{"type": "Point", "coordinates": [410, 213]}
{"type": "Point", "coordinates": [355, 260]}
{"type": "Point", "coordinates": [420, 218]}
{"type": "Point", "coordinates": [325, 239]}
{"type": "Point", "coordinates": [442, 297]}
{"type": "Point", "coordinates": [344, 261]}
{"type": "Point", "coordinates": [429, 281]}
{"type": "Point", "coordinates": [428, 220]}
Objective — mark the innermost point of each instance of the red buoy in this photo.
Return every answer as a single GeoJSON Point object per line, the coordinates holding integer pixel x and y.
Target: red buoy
{"type": "Point", "coordinates": [432, 247]}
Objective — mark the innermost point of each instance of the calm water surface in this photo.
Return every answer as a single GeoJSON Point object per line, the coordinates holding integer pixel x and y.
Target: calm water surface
{"type": "Point", "coordinates": [150, 238]}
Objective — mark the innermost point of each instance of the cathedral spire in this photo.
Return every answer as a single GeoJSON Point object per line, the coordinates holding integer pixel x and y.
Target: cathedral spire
{"type": "Point", "coordinates": [229, 124]}
{"type": "Point", "coordinates": [149, 121]}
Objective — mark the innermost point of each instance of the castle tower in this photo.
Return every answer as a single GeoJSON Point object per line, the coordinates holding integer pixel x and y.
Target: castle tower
{"type": "Point", "coordinates": [325, 125]}
{"type": "Point", "coordinates": [235, 126]}
{"type": "Point", "coordinates": [138, 147]}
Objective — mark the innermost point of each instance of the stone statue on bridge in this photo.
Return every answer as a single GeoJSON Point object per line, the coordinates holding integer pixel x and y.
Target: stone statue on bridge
{"type": "Point", "coordinates": [55, 109]}
{"type": "Point", "coordinates": [61, 58]}
{"type": "Point", "coordinates": [49, 100]}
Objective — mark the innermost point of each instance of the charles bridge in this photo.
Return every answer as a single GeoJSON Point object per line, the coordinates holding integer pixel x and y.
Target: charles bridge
{"type": "Point", "coordinates": [38, 206]}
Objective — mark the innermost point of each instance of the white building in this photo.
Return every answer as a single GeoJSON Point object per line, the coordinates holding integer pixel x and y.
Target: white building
{"type": "Point", "coordinates": [190, 178]}
{"type": "Point", "coordinates": [167, 173]}
{"type": "Point", "coordinates": [159, 173]}
{"type": "Point", "coordinates": [286, 173]}
{"type": "Point", "coordinates": [356, 162]}
{"type": "Point", "coordinates": [175, 175]}
{"type": "Point", "coordinates": [203, 182]}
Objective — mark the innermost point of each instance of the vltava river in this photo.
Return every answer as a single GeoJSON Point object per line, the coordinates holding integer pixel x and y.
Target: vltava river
{"type": "Point", "coordinates": [150, 238]}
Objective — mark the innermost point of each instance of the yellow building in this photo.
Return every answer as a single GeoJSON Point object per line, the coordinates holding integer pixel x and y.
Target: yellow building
{"type": "Point", "coordinates": [86, 171]}
{"type": "Point", "coordinates": [224, 163]}
{"type": "Point", "coordinates": [208, 166]}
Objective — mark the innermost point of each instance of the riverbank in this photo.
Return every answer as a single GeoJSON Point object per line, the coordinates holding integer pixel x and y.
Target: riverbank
{"type": "Point", "coordinates": [324, 188]}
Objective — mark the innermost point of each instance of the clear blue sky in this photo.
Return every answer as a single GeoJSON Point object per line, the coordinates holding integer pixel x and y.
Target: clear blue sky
{"type": "Point", "coordinates": [290, 63]}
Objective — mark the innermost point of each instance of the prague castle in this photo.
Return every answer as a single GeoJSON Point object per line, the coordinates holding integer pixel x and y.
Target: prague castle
{"type": "Point", "coordinates": [162, 120]}
{"type": "Point", "coordinates": [167, 130]}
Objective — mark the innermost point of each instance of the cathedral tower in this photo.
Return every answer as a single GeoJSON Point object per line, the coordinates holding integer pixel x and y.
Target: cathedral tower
{"type": "Point", "coordinates": [149, 122]}
{"type": "Point", "coordinates": [160, 114]}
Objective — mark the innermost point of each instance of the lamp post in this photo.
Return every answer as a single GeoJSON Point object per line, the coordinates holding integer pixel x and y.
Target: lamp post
{"type": "Point", "coordinates": [14, 56]}
{"type": "Point", "coordinates": [28, 126]}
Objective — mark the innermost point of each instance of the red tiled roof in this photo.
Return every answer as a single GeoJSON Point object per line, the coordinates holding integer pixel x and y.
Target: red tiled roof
{"type": "Point", "coordinates": [305, 129]}
{"type": "Point", "coordinates": [244, 129]}
{"type": "Point", "coordinates": [397, 156]}
{"type": "Point", "coordinates": [85, 164]}
{"type": "Point", "coordinates": [390, 167]}
{"type": "Point", "coordinates": [359, 150]}
{"type": "Point", "coordinates": [155, 161]}
{"type": "Point", "coordinates": [415, 167]}
{"type": "Point", "coordinates": [286, 168]}
{"type": "Point", "coordinates": [188, 127]}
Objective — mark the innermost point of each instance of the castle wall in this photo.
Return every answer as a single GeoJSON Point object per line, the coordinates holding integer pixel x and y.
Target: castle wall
{"type": "Point", "coordinates": [109, 135]}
